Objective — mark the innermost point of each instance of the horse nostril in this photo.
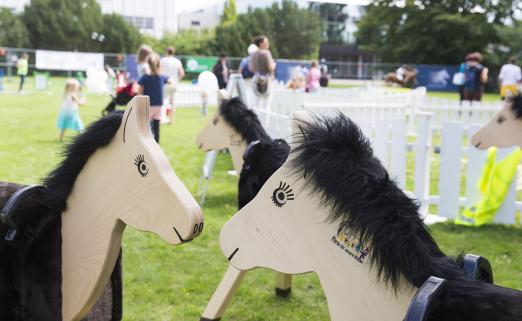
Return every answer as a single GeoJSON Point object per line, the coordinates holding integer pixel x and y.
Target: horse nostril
{"type": "Point", "coordinates": [478, 144]}
{"type": "Point", "coordinates": [201, 146]}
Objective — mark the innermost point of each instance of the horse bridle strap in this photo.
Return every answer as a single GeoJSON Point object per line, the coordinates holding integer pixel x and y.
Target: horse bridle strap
{"type": "Point", "coordinates": [7, 213]}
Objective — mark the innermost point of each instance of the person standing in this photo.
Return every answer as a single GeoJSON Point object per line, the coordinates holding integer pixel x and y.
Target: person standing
{"type": "Point", "coordinates": [509, 78]}
{"type": "Point", "coordinates": [22, 67]}
{"type": "Point", "coordinates": [69, 117]}
{"type": "Point", "coordinates": [172, 68]}
{"type": "Point", "coordinates": [151, 84]}
{"type": "Point", "coordinates": [243, 65]}
{"type": "Point", "coordinates": [221, 71]}
{"type": "Point", "coordinates": [312, 78]}
{"type": "Point", "coordinates": [142, 67]}
{"type": "Point", "coordinates": [263, 66]}
{"type": "Point", "coordinates": [475, 75]}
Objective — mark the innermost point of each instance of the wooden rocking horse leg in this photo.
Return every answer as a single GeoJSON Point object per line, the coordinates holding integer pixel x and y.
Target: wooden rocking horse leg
{"type": "Point", "coordinates": [223, 295]}
{"type": "Point", "coordinates": [283, 284]}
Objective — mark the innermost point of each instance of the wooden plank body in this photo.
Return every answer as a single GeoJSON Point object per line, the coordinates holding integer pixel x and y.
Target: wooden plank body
{"type": "Point", "coordinates": [128, 182]}
{"type": "Point", "coordinates": [297, 237]}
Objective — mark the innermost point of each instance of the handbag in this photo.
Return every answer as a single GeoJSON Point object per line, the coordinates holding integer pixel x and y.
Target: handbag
{"type": "Point", "coordinates": [458, 79]}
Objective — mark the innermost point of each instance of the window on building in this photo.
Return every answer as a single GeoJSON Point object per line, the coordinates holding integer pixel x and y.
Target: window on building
{"type": "Point", "coordinates": [140, 22]}
{"type": "Point", "coordinates": [195, 23]}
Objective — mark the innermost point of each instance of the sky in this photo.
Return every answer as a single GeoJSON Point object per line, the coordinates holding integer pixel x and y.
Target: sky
{"type": "Point", "coordinates": [242, 5]}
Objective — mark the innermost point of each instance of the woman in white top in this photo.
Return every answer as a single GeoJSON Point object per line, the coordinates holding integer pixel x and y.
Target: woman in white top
{"type": "Point", "coordinates": [509, 78]}
{"type": "Point", "coordinates": [171, 67]}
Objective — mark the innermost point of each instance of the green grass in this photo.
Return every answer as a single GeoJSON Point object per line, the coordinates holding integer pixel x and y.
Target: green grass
{"type": "Point", "coordinates": [162, 282]}
{"type": "Point", "coordinates": [487, 97]}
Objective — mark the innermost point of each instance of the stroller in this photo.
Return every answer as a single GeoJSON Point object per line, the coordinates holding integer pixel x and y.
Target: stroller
{"type": "Point", "coordinates": [124, 94]}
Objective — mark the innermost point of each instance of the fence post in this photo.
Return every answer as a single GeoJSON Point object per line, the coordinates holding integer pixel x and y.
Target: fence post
{"type": "Point", "coordinates": [398, 151]}
{"type": "Point", "coordinates": [422, 160]}
{"type": "Point", "coordinates": [449, 173]}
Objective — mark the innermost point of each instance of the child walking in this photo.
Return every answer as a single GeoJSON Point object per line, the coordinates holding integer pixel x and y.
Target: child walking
{"type": "Point", "coordinates": [152, 86]}
{"type": "Point", "coordinates": [69, 117]}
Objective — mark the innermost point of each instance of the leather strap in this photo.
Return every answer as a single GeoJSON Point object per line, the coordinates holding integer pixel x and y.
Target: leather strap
{"type": "Point", "coordinates": [7, 214]}
{"type": "Point", "coordinates": [421, 304]}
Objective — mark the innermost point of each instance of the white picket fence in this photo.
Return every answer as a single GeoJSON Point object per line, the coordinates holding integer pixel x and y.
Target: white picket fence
{"type": "Point", "coordinates": [402, 126]}
{"type": "Point", "coordinates": [391, 141]}
{"type": "Point", "coordinates": [191, 96]}
{"type": "Point", "coordinates": [382, 103]}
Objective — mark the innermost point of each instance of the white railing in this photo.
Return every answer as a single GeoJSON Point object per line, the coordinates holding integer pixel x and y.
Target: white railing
{"type": "Point", "coordinates": [401, 126]}
{"type": "Point", "coordinates": [391, 143]}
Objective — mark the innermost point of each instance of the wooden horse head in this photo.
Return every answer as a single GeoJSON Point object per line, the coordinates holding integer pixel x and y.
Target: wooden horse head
{"type": "Point", "coordinates": [290, 227]}
{"type": "Point", "coordinates": [332, 209]}
{"type": "Point", "coordinates": [233, 126]}
{"type": "Point", "coordinates": [124, 180]}
{"type": "Point", "coordinates": [504, 129]}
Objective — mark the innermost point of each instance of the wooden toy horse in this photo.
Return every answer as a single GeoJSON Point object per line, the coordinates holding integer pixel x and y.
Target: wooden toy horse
{"type": "Point", "coordinates": [504, 129]}
{"type": "Point", "coordinates": [256, 157]}
{"type": "Point", "coordinates": [333, 209]}
{"type": "Point", "coordinates": [233, 127]}
{"type": "Point", "coordinates": [113, 175]}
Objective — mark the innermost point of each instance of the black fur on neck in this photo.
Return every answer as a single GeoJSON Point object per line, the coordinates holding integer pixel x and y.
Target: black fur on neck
{"type": "Point", "coordinates": [336, 160]}
{"type": "Point", "coordinates": [60, 181]}
{"type": "Point", "coordinates": [243, 120]}
{"type": "Point", "coordinates": [516, 105]}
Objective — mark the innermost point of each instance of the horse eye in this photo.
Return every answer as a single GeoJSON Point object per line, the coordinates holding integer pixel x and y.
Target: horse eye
{"type": "Point", "coordinates": [141, 164]}
{"type": "Point", "coordinates": [215, 121]}
{"type": "Point", "coordinates": [282, 194]}
{"type": "Point", "coordinates": [501, 119]}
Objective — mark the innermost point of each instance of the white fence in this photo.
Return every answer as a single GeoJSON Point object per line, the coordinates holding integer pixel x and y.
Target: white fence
{"type": "Point", "coordinates": [388, 127]}
{"type": "Point", "coordinates": [402, 127]}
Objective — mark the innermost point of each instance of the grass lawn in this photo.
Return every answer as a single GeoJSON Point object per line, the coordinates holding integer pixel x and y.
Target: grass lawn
{"type": "Point", "coordinates": [162, 282]}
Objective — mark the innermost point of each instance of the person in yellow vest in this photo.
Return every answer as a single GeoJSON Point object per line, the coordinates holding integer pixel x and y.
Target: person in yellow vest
{"type": "Point", "coordinates": [22, 67]}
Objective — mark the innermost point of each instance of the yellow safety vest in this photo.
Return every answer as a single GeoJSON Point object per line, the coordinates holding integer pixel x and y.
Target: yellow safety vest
{"type": "Point", "coordinates": [494, 185]}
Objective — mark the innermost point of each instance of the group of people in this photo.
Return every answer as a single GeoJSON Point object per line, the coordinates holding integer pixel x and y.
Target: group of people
{"type": "Point", "coordinates": [472, 75]}
{"type": "Point", "coordinates": [309, 79]}
{"type": "Point", "coordinates": [257, 68]}
{"type": "Point", "coordinates": [157, 78]}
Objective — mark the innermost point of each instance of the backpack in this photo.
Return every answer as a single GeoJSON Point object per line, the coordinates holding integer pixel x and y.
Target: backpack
{"type": "Point", "coordinates": [472, 78]}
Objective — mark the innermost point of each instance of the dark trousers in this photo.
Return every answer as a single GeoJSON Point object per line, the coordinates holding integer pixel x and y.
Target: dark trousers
{"type": "Point", "coordinates": [22, 81]}
{"type": "Point", "coordinates": [155, 127]}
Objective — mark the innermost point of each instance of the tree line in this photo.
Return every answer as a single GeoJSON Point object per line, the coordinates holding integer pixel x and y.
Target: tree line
{"type": "Point", "coordinates": [67, 25]}
{"type": "Point", "coordinates": [80, 26]}
{"type": "Point", "coordinates": [442, 31]}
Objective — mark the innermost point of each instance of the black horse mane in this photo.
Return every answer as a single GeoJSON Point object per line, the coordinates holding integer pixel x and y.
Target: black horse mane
{"type": "Point", "coordinates": [60, 181]}
{"type": "Point", "coordinates": [516, 106]}
{"type": "Point", "coordinates": [261, 160]}
{"type": "Point", "coordinates": [243, 120]}
{"type": "Point", "coordinates": [336, 160]}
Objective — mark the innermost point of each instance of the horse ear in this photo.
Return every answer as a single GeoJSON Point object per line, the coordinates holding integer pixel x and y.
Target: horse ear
{"type": "Point", "coordinates": [135, 122]}
{"type": "Point", "coordinates": [300, 118]}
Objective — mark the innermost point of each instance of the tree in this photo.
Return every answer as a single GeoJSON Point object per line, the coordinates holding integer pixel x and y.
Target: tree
{"type": "Point", "coordinates": [424, 31]}
{"type": "Point", "coordinates": [186, 42]}
{"type": "Point", "coordinates": [120, 35]}
{"type": "Point", "coordinates": [229, 13]}
{"type": "Point", "coordinates": [63, 24]}
{"type": "Point", "coordinates": [293, 32]}
{"type": "Point", "coordinates": [13, 32]}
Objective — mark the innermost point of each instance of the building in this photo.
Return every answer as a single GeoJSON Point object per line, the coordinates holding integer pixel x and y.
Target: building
{"type": "Point", "coordinates": [340, 20]}
{"type": "Point", "coordinates": [154, 17]}
{"type": "Point", "coordinates": [201, 19]}
{"type": "Point", "coordinates": [15, 6]}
